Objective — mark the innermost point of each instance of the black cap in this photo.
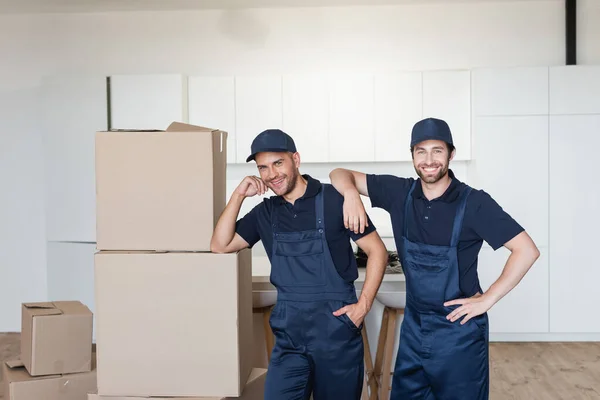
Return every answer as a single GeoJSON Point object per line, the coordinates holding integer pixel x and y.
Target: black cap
{"type": "Point", "coordinates": [431, 129]}
{"type": "Point", "coordinates": [271, 140]}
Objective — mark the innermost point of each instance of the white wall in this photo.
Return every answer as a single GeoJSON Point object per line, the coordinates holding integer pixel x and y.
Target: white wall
{"type": "Point", "coordinates": [415, 37]}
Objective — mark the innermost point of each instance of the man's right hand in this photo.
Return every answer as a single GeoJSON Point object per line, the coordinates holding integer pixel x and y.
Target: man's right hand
{"type": "Point", "coordinates": [355, 216]}
{"type": "Point", "coordinates": [251, 186]}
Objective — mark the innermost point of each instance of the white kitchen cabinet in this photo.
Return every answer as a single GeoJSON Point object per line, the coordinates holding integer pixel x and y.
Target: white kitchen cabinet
{"type": "Point", "coordinates": [72, 110]}
{"type": "Point", "coordinates": [574, 220]}
{"type": "Point", "coordinates": [70, 268]}
{"type": "Point", "coordinates": [147, 101]}
{"type": "Point", "coordinates": [258, 107]}
{"type": "Point", "coordinates": [351, 118]}
{"type": "Point", "coordinates": [212, 104]}
{"type": "Point", "coordinates": [306, 115]}
{"type": "Point", "coordinates": [510, 91]}
{"type": "Point", "coordinates": [525, 308]}
{"type": "Point", "coordinates": [398, 106]}
{"type": "Point", "coordinates": [575, 89]}
{"type": "Point", "coordinates": [447, 96]}
{"type": "Point", "coordinates": [511, 163]}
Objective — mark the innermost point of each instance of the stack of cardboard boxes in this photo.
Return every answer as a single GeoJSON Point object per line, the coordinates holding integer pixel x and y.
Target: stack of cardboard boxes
{"type": "Point", "coordinates": [56, 360]}
{"type": "Point", "coordinates": [172, 318]}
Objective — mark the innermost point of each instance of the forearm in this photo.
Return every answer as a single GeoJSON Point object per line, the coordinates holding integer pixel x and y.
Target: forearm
{"type": "Point", "coordinates": [225, 229]}
{"type": "Point", "coordinates": [376, 263]}
{"type": "Point", "coordinates": [343, 181]}
{"type": "Point", "coordinates": [518, 264]}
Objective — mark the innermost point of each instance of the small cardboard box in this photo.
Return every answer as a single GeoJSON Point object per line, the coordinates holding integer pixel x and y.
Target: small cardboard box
{"type": "Point", "coordinates": [56, 337]}
{"type": "Point", "coordinates": [173, 324]}
{"type": "Point", "coordinates": [158, 190]}
{"type": "Point", "coordinates": [19, 385]}
{"type": "Point", "coordinates": [254, 390]}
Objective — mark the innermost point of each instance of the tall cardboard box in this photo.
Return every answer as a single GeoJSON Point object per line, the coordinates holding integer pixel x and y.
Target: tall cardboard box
{"type": "Point", "coordinates": [19, 385]}
{"type": "Point", "coordinates": [158, 190]}
{"type": "Point", "coordinates": [56, 337]}
{"type": "Point", "coordinates": [173, 324]}
{"type": "Point", "coordinates": [254, 390]}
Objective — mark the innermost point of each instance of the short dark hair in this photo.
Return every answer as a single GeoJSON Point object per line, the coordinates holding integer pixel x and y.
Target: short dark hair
{"type": "Point", "coordinates": [449, 146]}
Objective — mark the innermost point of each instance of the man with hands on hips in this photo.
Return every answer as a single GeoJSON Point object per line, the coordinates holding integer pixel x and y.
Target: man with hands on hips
{"type": "Point", "coordinates": [439, 226]}
{"type": "Point", "coordinates": [317, 319]}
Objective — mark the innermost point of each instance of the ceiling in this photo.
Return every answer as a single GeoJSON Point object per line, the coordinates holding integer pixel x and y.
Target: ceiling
{"type": "Point", "coordinates": [84, 6]}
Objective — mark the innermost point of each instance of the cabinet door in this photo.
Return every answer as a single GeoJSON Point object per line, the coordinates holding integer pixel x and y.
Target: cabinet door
{"type": "Point", "coordinates": [73, 109]}
{"type": "Point", "coordinates": [351, 118]}
{"type": "Point", "coordinates": [306, 115]}
{"type": "Point", "coordinates": [70, 269]}
{"type": "Point", "coordinates": [258, 107]}
{"type": "Point", "coordinates": [574, 220]}
{"type": "Point", "coordinates": [147, 101]}
{"type": "Point", "coordinates": [398, 106]}
{"type": "Point", "coordinates": [575, 89]}
{"type": "Point", "coordinates": [212, 104]}
{"type": "Point", "coordinates": [525, 308]}
{"type": "Point", "coordinates": [511, 164]}
{"type": "Point", "coordinates": [510, 91]}
{"type": "Point", "coordinates": [447, 96]}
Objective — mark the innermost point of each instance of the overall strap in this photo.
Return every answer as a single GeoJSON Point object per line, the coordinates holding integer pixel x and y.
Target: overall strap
{"type": "Point", "coordinates": [460, 214]}
{"type": "Point", "coordinates": [320, 208]}
{"type": "Point", "coordinates": [408, 206]}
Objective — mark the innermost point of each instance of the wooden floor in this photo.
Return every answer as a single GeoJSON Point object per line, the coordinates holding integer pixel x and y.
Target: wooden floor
{"type": "Point", "coordinates": [544, 371]}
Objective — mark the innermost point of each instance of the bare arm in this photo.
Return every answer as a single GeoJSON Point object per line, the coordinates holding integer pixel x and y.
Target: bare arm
{"type": "Point", "coordinates": [224, 238]}
{"type": "Point", "coordinates": [524, 253]}
{"type": "Point", "coordinates": [351, 184]}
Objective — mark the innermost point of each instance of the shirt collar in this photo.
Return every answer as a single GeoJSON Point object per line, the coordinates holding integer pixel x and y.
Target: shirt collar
{"type": "Point", "coordinates": [450, 195]}
{"type": "Point", "coordinates": [313, 187]}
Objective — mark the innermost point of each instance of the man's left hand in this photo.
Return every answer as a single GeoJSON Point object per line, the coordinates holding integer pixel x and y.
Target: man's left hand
{"type": "Point", "coordinates": [356, 312]}
{"type": "Point", "coordinates": [471, 307]}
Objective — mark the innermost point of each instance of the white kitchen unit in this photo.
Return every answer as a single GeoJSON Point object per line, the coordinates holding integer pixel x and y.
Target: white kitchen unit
{"type": "Point", "coordinates": [351, 118]}
{"type": "Point", "coordinates": [72, 110]}
{"type": "Point", "coordinates": [71, 272]}
{"type": "Point", "coordinates": [258, 107]}
{"type": "Point", "coordinates": [398, 106]}
{"type": "Point", "coordinates": [147, 101]}
{"type": "Point", "coordinates": [510, 162]}
{"type": "Point", "coordinates": [447, 95]}
{"type": "Point", "coordinates": [306, 115]}
{"type": "Point", "coordinates": [525, 309]}
{"type": "Point", "coordinates": [212, 104]}
{"type": "Point", "coordinates": [510, 91]}
{"type": "Point", "coordinates": [574, 221]}
{"type": "Point", "coordinates": [575, 89]}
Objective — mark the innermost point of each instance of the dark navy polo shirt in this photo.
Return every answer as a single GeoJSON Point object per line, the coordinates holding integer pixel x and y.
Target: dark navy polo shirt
{"type": "Point", "coordinates": [256, 225]}
{"type": "Point", "coordinates": [432, 221]}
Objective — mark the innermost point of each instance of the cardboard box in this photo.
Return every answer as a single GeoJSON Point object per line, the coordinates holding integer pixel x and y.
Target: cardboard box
{"type": "Point", "coordinates": [19, 385]}
{"type": "Point", "coordinates": [173, 324]}
{"type": "Point", "coordinates": [56, 337]}
{"type": "Point", "coordinates": [159, 190]}
{"type": "Point", "coordinates": [254, 390]}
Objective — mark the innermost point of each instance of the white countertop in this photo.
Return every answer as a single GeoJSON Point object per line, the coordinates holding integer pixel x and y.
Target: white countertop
{"type": "Point", "coordinates": [261, 270]}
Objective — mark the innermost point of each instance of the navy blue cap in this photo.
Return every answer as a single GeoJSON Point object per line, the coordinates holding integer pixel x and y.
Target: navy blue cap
{"type": "Point", "coordinates": [431, 129]}
{"type": "Point", "coordinates": [274, 140]}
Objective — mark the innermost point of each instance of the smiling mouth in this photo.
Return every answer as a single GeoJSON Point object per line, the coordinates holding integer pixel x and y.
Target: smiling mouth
{"type": "Point", "coordinates": [277, 183]}
{"type": "Point", "coordinates": [430, 170]}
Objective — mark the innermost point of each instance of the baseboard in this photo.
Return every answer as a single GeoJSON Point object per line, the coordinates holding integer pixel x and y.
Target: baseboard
{"type": "Point", "coordinates": [545, 337]}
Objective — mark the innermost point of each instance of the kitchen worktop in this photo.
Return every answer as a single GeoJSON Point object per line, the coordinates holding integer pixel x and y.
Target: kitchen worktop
{"type": "Point", "coordinates": [261, 270]}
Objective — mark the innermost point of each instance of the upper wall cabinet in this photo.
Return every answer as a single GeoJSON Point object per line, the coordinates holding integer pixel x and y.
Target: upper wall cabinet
{"type": "Point", "coordinates": [575, 90]}
{"type": "Point", "coordinates": [398, 105]}
{"type": "Point", "coordinates": [212, 104]}
{"type": "Point", "coordinates": [258, 106]}
{"type": "Point", "coordinates": [147, 101]}
{"type": "Point", "coordinates": [351, 118]}
{"type": "Point", "coordinates": [73, 109]}
{"type": "Point", "coordinates": [447, 95]}
{"type": "Point", "coordinates": [306, 115]}
{"type": "Point", "coordinates": [510, 91]}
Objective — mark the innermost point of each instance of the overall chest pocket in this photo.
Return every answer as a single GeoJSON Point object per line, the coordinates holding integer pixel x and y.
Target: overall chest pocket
{"type": "Point", "coordinates": [428, 276]}
{"type": "Point", "coordinates": [299, 259]}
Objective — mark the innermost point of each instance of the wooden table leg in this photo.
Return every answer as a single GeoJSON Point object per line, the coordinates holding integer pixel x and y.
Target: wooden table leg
{"type": "Point", "coordinates": [369, 380]}
{"type": "Point", "coordinates": [386, 382]}
{"type": "Point", "coordinates": [269, 339]}
{"type": "Point", "coordinates": [379, 355]}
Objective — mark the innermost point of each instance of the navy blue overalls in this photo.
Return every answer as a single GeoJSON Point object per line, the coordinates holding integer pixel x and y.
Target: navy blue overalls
{"type": "Point", "coordinates": [437, 358]}
{"type": "Point", "coordinates": [314, 350]}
